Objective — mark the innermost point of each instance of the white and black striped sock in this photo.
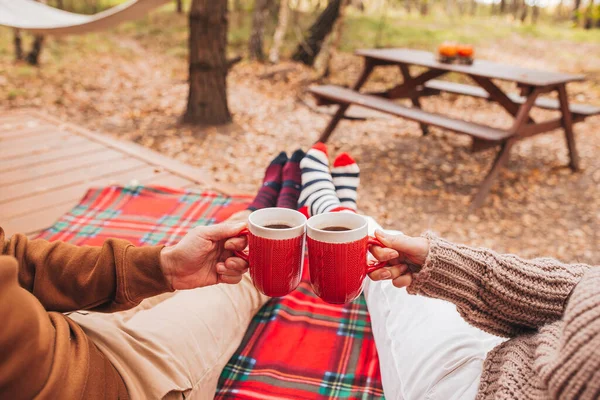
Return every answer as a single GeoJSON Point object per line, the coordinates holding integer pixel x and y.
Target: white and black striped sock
{"type": "Point", "coordinates": [346, 177]}
{"type": "Point", "coordinates": [318, 192]}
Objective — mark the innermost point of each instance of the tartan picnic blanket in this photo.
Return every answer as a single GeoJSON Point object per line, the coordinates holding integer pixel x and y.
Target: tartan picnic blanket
{"type": "Point", "coordinates": [296, 347]}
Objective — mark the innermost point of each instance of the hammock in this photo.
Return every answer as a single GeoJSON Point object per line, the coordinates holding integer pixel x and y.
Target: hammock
{"type": "Point", "coordinates": [42, 19]}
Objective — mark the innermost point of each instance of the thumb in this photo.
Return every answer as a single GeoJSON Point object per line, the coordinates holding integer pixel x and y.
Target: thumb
{"type": "Point", "coordinates": [398, 242]}
{"type": "Point", "coordinates": [222, 231]}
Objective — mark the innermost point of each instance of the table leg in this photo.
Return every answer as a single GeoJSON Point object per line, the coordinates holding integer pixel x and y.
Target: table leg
{"type": "Point", "coordinates": [415, 97]}
{"type": "Point", "coordinates": [339, 114]}
{"type": "Point", "coordinates": [521, 118]}
{"type": "Point", "coordinates": [486, 185]}
{"type": "Point", "coordinates": [567, 123]}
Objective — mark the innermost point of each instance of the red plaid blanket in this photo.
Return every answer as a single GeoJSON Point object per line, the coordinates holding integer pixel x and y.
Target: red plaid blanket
{"type": "Point", "coordinates": [297, 347]}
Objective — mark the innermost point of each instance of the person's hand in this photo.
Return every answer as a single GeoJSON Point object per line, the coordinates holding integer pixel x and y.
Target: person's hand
{"type": "Point", "coordinates": [205, 257]}
{"type": "Point", "coordinates": [405, 255]}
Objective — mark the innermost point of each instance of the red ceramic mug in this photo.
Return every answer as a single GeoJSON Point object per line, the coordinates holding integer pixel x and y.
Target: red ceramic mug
{"type": "Point", "coordinates": [337, 255]}
{"type": "Point", "coordinates": [275, 249]}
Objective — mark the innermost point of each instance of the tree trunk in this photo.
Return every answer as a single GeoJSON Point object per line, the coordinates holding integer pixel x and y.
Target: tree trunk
{"type": "Point", "coordinates": [332, 43]}
{"type": "Point", "coordinates": [589, 15]}
{"type": "Point", "coordinates": [502, 6]}
{"type": "Point", "coordinates": [179, 6]}
{"type": "Point", "coordinates": [575, 13]}
{"type": "Point", "coordinates": [535, 12]}
{"type": "Point", "coordinates": [18, 44]}
{"type": "Point", "coordinates": [449, 7]}
{"type": "Point", "coordinates": [558, 10]}
{"type": "Point", "coordinates": [381, 25]}
{"type": "Point", "coordinates": [588, 21]}
{"type": "Point", "coordinates": [524, 12]}
{"type": "Point", "coordinates": [255, 46]}
{"type": "Point", "coordinates": [424, 8]}
{"type": "Point", "coordinates": [282, 24]}
{"type": "Point", "coordinates": [473, 7]}
{"type": "Point", "coordinates": [308, 49]}
{"type": "Point", "coordinates": [60, 4]}
{"type": "Point", "coordinates": [516, 6]}
{"type": "Point", "coordinates": [36, 49]}
{"type": "Point", "coordinates": [461, 7]}
{"type": "Point", "coordinates": [407, 6]}
{"type": "Point", "coordinates": [207, 99]}
{"type": "Point", "coordinates": [359, 4]}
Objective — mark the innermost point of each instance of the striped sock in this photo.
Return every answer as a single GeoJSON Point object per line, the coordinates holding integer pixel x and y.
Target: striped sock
{"type": "Point", "coordinates": [346, 177]}
{"type": "Point", "coordinates": [318, 193]}
{"type": "Point", "coordinates": [267, 194]}
{"type": "Point", "coordinates": [292, 182]}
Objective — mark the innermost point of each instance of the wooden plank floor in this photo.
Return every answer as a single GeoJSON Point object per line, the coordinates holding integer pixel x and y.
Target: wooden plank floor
{"type": "Point", "coordinates": [46, 166]}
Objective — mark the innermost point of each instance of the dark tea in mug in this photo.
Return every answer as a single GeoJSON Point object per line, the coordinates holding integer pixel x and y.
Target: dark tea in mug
{"type": "Point", "coordinates": [336, 229]}
{"type": "Point", "coordinates": [278, 226]}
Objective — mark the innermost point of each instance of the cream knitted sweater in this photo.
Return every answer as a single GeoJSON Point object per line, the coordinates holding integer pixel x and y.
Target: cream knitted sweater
{"type": "Point", "coordinates": [549, 309]}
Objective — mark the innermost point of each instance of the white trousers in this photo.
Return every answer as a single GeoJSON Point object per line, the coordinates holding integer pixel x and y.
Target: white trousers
{"type": "Point", "coordinates": [426, 350]}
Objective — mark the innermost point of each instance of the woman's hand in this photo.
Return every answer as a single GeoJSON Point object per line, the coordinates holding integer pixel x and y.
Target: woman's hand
{"type": "Point", "coordinates": [205, 257]}
{"type": "Point", "coordinates": [405, 255]}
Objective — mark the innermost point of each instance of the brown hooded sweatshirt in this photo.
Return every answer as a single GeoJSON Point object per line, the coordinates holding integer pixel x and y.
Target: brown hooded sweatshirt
{"type": "Point", "coordinates": [43, 353]}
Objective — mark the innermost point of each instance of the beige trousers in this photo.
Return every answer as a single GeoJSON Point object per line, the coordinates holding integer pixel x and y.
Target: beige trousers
{"type": "Point", "coordinates": [176, 344]}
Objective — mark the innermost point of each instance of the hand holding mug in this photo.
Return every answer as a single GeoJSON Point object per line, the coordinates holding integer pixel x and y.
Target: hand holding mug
{"type": "Point", "coordinates": [204, 257]}
{"type": "Point", "coordinates": [409, 256]}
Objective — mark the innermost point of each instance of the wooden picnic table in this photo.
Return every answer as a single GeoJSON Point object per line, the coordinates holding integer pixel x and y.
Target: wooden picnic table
{"type": "Point", "coordinates": [532, 84]}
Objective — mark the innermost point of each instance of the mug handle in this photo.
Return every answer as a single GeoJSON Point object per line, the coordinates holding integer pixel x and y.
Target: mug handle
{"type": "Point", "coordinates": [378, 264]}
{"type": "Point", "coordinates": [242, 254]}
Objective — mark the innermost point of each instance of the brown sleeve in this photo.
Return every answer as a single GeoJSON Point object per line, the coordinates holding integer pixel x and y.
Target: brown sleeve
{"type": "Point", "coordinates": [27, 338]}
{"type": "Point", "coordinates": [501, 294]}
{"type": "Point", "coordinates": [64, 277]}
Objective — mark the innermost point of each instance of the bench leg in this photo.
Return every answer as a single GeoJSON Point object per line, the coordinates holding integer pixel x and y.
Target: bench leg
{"type": "Point", "coordinates": [414, 98]}
{"type": "Point", "coordinates": [339, 114]}
{"type": "Point", "coordinates": [424, 127]}
{"type": "Point", "coordinates": [567, 123]}
{"type": "Point", "coordinates": [499, 162]}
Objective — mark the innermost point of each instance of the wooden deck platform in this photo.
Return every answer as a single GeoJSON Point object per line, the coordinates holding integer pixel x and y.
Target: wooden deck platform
{"type": "Point", "coordinates": [46, 166]}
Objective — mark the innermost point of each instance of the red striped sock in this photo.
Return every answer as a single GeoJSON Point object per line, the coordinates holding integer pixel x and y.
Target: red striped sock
{"type": "Point", "coordinates": [268, 193]}
{"type": "Point", "coordinates": [292, 182]}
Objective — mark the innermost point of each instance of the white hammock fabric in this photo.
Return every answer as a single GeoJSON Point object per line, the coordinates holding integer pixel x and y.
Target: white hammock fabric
{"type": "Point", "coordinates": [42, 19]}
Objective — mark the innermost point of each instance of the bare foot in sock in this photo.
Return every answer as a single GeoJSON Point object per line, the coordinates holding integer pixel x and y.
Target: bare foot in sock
{"type": "Point", "coordinates": [346, 177]}
{"type": "Point", "coordinates": [268, 193]}
{"type": "Point", "coordinates": [318, 192]}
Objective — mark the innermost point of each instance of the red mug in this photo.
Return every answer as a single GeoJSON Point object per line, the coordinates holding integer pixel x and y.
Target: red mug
{"type": "Point", "coordinates": [337, 255]}
{"type": "Point", "coordinates": [275, 249]}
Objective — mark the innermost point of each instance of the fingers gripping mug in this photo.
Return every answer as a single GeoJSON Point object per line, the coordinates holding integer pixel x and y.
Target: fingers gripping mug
{"type": "Point", "coordinates": [275, 249]}
{"type": "Point", "coordinates": [337, 251]}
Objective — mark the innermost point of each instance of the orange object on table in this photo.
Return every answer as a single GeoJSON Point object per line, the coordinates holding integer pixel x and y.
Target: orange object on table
{"type": "Point", "coordinates": [465, 50]}
{"type": "Point", "coordinates": [448, 49]}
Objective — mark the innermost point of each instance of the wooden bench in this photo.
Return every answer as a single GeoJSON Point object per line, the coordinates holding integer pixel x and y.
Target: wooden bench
{"type": "Point", "coordinates": [580, 111]}
{"type": "Point", "coordinates": [335, 94]}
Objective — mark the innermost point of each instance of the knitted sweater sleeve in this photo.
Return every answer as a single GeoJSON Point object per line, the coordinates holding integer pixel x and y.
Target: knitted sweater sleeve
{"type": "Point", "coordinates": [501, 294]}
{"type": "Point", "coordinates": [570, 357]}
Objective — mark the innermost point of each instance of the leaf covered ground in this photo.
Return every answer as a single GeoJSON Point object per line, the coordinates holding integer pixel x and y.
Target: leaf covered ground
{"type": "Point", "coordinates": [131, 83]}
